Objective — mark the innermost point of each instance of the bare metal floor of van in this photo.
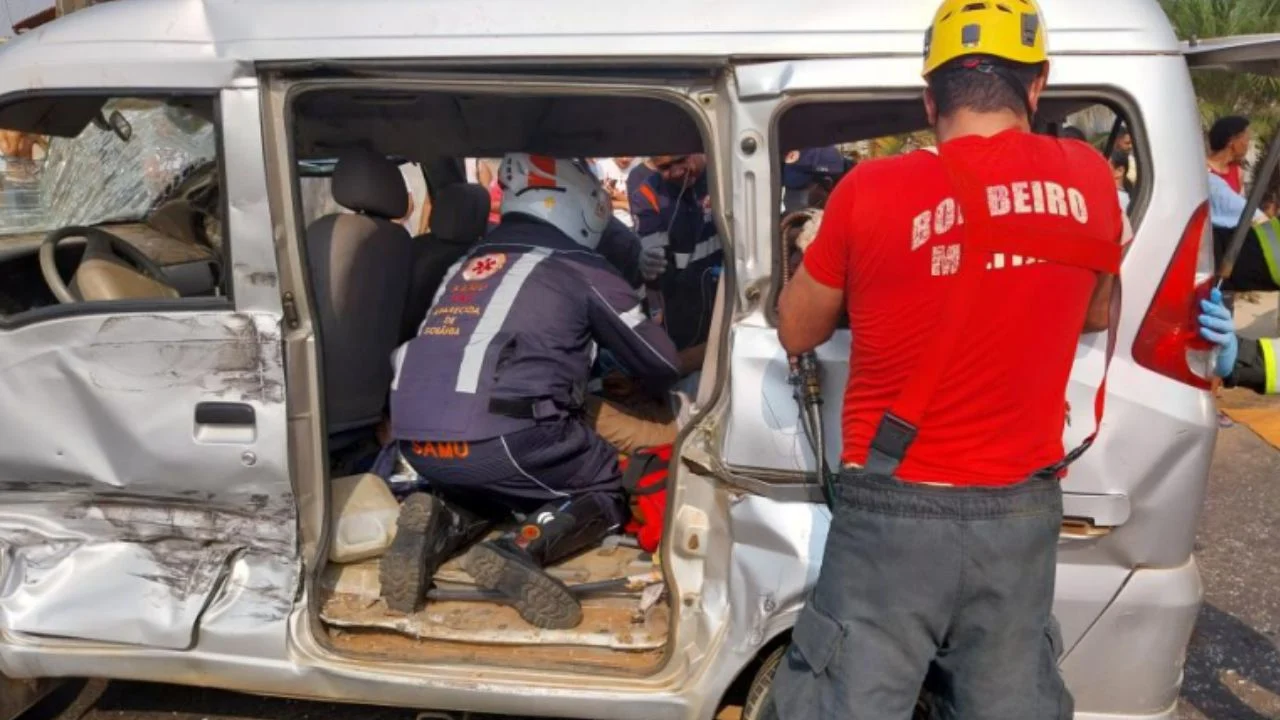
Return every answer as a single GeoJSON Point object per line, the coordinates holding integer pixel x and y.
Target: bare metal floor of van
{"type": "Point", "coordinates": [351, 606]}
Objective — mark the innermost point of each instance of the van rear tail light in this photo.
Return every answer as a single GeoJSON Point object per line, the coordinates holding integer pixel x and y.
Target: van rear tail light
{"type": "Point", "coordinates": [1168, 340]}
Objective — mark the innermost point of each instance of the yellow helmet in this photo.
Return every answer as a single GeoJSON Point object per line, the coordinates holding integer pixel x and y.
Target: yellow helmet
{"type": "Point", "coordinates": [1007, 29]}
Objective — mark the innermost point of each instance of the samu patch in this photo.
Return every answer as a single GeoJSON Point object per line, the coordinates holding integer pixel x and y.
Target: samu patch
{"type": "Point", "coordinates": [485, 266]}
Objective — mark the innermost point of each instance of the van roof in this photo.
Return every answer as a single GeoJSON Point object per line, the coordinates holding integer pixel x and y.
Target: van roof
{"type": "Point", "coordinates": [172, 31]}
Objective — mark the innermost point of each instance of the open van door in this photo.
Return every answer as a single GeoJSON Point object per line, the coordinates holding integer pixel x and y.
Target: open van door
{"type": "Point", "coordinates": [145, 493]}
{"type": "Point", "coordinates": [1258, 55]}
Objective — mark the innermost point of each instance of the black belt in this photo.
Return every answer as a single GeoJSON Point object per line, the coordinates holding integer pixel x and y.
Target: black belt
{"type": "Point", "coordinates": [526, 408]}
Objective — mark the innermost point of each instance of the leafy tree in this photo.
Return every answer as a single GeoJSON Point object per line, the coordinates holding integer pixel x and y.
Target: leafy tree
{"type": "Point", "coordinates": [1225, 93]}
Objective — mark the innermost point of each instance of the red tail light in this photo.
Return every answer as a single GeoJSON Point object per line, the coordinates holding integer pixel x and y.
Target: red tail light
{"type": "Point", "coordinates": [1168, 340]}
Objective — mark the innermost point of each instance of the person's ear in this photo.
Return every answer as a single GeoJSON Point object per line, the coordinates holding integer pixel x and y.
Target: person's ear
{"type": "Point", "coordinates": [1037, 86]}
{"type": "Point", "coordinates": [930, 107]}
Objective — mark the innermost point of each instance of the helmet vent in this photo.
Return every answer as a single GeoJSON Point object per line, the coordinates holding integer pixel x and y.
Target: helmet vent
{"type": "Point", "coordinates": [1030, 26]}
{"type": "Point", "coordinates": [974, 6]}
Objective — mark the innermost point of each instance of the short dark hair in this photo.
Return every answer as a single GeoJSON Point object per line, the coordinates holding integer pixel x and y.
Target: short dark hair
{"type": "Point", "coordinates": [1120, 159]}
{"type": "Point", "coordinates": [1073, 132]}
{"type": "Point", "coordinates": [962, 84]}
{"type": "Point", "coordinates": [1225, 129]}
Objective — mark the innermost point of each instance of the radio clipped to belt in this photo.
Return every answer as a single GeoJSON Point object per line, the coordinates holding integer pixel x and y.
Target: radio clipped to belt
{"type": "Point", "coordinates": [899, 426]}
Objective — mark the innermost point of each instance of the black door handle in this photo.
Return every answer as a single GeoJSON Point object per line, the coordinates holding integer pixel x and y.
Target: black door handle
{"type": "Point", "coordinates": [224, 413]}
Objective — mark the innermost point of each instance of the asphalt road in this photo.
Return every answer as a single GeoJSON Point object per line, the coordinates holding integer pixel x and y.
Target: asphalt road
{"type": "Point", "coordinates": [1233, 666]}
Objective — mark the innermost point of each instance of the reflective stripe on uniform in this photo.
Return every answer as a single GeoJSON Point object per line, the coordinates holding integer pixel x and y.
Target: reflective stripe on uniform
{"type": "Point", "coordinates": [701, 251]}
{"type": "Point", "coordinates": [1269, 239]}
{"type": "Point", "coordinates": [651, 196]}
{"type": "Point", "coordinates": [397, 363]}
{"type": "Point", "coordinates": [1269, 347]}
{"type": "Point", "coordinates": [494, 317]}
{"type": "Point", "coordinates": [633, 317]}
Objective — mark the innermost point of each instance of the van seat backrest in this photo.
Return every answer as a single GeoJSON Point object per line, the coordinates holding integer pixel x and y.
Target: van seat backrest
{"type": "Point", "coordinates": [360, 267]}
{"type": "Point", "coordinates": [459, 218]}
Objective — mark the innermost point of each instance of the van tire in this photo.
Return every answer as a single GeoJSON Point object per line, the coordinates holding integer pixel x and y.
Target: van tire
{"type": "Point", "coordinates": [402, 572]}
{"type": "Point", "coordinates": [759, 705]}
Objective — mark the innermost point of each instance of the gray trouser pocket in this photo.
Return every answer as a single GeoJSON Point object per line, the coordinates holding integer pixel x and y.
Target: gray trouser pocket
{"type": "Point", "coordinates": [807, 684]}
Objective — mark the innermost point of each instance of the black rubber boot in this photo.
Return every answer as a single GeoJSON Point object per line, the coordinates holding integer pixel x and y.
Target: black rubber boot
{"type": "Point", "coordinates": [513, 563]}
{"type": "Point", "coordinates": [429, 531]}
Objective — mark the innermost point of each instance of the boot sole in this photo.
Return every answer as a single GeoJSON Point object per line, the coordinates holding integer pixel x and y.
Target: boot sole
{"type": "Point", "coordinates": [540, 599]}
{"type": "Point", "coordinates": [402, 571]}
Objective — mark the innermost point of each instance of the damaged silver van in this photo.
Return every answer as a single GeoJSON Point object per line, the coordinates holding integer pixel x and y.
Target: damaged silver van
{"type": "Point", "coordinates": [173, 420]}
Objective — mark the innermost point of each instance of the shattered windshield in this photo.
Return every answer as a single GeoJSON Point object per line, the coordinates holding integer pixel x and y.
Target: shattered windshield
{"type": "Point", "coordinates": [99, 176]}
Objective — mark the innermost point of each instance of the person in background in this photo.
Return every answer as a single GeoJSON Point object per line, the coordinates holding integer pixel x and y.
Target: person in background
{"type": "Point", "coordinates": [1071, 132]}
{"type": "Point", "coordinates": [416, 219]}
{"type": "Point", "coordinates": [673, 212]}
{"type": "Point", "coordinates": [1229, 141]}
{"type": "Point", "coordinates": [641, 171]}
{"type": "Point", "coordinates": [1119, 168]}
{"type": "Point", "coordinates": [1124, 144]}
{"type": "Point", "coordinates": [613, 174]}
{"type": "Point", "coordinates": [495, 203]}
{"type": "Point", "coordinates": [803, 169]}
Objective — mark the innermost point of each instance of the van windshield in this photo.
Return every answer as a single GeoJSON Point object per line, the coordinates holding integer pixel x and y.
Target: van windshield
{"type": "Point", "coordinates": [118, 169]}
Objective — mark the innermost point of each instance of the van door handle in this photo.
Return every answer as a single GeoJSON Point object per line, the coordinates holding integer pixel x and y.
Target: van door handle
{"type": "Point", "coordinates": [223, 423]}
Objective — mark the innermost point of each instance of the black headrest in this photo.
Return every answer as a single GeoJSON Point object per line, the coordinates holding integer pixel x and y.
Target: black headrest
{"type": "Point", "coordinates": [367, 182]}
{"type": "Point", "coordinates": [460, 213]}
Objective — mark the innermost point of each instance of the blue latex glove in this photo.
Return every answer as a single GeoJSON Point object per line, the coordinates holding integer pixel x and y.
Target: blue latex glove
{"type": "Point", "coordinates": [1218, 327]}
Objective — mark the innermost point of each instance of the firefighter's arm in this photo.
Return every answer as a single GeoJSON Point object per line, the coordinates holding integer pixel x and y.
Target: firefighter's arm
{"type": "Point", "coordinates": [1098, 317]}
{"type": "Point", "coordinates": [808, 313]}
{"type": "Point", "coordinates": [618, 322]}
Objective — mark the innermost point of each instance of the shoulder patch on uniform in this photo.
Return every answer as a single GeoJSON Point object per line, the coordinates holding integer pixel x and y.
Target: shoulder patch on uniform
{"type": "Point", "coordinates": [484, 266]}
{"type": "Point", "coordinates": [792, 157]}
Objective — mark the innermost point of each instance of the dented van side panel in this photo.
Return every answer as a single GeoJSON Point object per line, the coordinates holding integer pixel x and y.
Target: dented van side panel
{"type": "Point", "coordinates": [123, 519]}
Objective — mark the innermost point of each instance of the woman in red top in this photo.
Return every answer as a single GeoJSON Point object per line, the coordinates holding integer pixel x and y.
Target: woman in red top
{"type": "Point", "coordinates": [1229, 141]}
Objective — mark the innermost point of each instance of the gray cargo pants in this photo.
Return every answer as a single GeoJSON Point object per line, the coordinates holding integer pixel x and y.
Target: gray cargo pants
{"type": "Point", "coordinates": [955, 584]}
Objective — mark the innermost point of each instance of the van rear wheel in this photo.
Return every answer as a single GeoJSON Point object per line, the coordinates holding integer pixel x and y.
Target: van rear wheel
{"type": "Point", "coordinates": [759, 705]}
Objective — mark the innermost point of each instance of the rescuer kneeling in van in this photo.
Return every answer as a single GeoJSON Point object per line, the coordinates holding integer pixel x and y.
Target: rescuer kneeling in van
{"type": "Point", "coordinates": [487, 401]}
{"type": "Point", "coordinates": [968, 274]}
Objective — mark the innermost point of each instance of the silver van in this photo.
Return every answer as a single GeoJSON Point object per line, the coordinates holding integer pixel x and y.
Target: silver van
{"type": "Point", "coordinates": [172, 421]}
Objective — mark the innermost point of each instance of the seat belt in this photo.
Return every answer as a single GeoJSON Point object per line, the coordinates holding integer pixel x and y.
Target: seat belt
{"type": "Point", "coordinates": [900, 425]}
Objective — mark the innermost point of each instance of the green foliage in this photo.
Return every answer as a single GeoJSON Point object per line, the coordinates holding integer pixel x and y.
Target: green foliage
{"type": "Point", "coordinates": [1225, 93]}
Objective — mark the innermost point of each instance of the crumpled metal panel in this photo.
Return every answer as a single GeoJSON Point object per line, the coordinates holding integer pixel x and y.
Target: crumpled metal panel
{"type": "Point", "coordinates": [764, 429]}
{"type": "Point", "coordinates": [146, 594]}
{"type": "Point", "coordinates": [777, 553]}
{"type": "Point", "coordinates": [93, 177]}
{"type": "Point", "coordinates": [116, 523]}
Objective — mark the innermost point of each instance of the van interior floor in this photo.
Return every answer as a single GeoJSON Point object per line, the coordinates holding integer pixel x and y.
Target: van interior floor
{"type": "Point", "coordinates": [623, 630]}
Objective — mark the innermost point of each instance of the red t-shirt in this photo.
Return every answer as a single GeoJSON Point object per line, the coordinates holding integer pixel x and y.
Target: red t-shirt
{"type": "Point", "coordinates": [890, 239]}
{"type": "Point", "coordinates": [1233, 177]}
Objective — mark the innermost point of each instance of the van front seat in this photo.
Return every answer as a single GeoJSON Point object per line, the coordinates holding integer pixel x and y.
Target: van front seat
{"type": "Point", "coordinates": [459, 218]}
{"type": "Point", "coordinates": [359, 266]}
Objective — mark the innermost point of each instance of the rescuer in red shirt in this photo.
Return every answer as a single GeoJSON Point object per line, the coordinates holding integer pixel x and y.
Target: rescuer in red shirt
{"type": "Point", "coordinates": [968, 274]}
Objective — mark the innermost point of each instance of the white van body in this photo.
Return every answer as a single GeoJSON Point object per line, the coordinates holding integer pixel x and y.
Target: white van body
{"type": "Point", "coordinates": [133, 545]}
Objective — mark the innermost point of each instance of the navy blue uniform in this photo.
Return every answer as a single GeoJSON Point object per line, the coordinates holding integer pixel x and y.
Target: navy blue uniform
{"type": "Point", "coordinates": [680, 218]}
{"type": "Point", "coordinates": [487, 397]}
